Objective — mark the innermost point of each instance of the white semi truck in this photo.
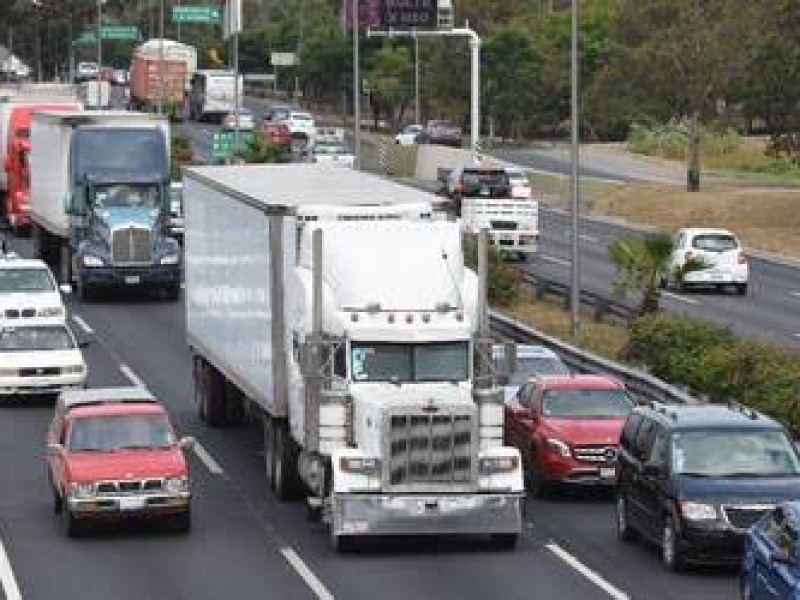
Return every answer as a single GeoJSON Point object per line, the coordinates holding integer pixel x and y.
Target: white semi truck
{"type": "Point", "coordinates": [329, 304]}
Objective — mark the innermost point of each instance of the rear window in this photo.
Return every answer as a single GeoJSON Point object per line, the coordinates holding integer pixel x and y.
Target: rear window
{"type": "Point", "coordinates": [715, 242]}
{"type": "Point", "coordinates": [485, 177]}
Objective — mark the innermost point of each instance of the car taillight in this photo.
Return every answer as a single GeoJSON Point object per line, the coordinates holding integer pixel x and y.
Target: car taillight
{"type": "Point", "coordinates": [742, 259]}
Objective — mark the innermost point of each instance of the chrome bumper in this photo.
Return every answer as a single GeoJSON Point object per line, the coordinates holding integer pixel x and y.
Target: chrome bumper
{"type": "Point", "coordinates": [137, 504]}
{"type": "Point", "coordinates": [367, 514]}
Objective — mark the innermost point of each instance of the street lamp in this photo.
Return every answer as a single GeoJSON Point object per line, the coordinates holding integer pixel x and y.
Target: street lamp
{"type": "Point", "coordinates": [99, 51]}
{"type": "Point", "coordinates": [161, 58]}
{"type": "Point", "coordinates": [356, 88]}
{"type": "Point", "coordinates": [575, 296]}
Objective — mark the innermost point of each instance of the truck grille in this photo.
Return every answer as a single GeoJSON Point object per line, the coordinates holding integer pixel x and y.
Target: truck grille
{"type": "Point", "coordinates": [130, 486]}
{"type": "Point", "coordinates": [37, 371]}
{"type": "Point", "coordinates": [595, 454]}
{"type": "Point", "coordinates": [742, 517]}
{"type": "Point", "coordinates": [430, 448]}
{"type": "Point", "coordinates": [16, 313]}
{"type": "Point", "coordinates": [504, 225]}
{"type": "Point", "coordinates": [130, 245]}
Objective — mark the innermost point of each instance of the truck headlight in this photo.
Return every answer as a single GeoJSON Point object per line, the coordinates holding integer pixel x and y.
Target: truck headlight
{"type": "Point", "coordinates": [498, 464]}
{"type": "Point", "coordinates": [170, 259]}
{"type": "Point", "coordinates": [92, 261]}
{"type": "Point", "coordinates": [72, 369]}
{"type": "Point", "coordinates": [363, 466]}
{"type": "Point", "coordinates": [82, 489]}
{"type": "Point", "coordinates": [51, 311]}
{"type": "Point", "coordinates": [9, 372]}
{"type": "Point", "coordinates": [698, 511]}
{"type": "Point", "coordinates": [559, 447]}
{"type": "Point", "coordinates": [176, 485]}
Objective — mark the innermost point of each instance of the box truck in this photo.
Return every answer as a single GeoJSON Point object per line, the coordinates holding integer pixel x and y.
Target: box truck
{"type": "Point", "coordinates": [149, 74]}
{"type": "Point", "coordinates": [100, 201]}
{"type": "Point", "coordinates": [328, 304]}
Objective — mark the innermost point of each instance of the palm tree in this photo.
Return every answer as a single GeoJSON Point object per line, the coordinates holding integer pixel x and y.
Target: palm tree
{"type": "Point", "coordinates": [642, 263]}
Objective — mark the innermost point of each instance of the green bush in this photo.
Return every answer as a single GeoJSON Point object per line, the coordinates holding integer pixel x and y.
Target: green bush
{"type": "Point", "coordinates": [180, 154]}
{"type": "Point", "coordinates": [503, 283]}
{"type": "Point", "coordinates": [712, 361]}
{"type": "Point", "coordinates": [670, 139]}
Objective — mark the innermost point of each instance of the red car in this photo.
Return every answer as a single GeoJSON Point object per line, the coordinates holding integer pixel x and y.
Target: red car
{"type": "Point", "coordinates": [567, 429]}
{"type": "Point", "coordinates": [112, 454]}
{"type": "Point", "coordinates": [277, 133]}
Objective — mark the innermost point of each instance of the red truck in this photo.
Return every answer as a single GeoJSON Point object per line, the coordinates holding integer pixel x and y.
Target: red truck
{"type": "Point", "coordinates": [15, 122]}
{"type": "Point", "coordinates": [145, 81]}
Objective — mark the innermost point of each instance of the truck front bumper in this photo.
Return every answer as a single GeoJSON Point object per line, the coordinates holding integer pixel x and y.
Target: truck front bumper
{"type": "Point", "coordinates": [519, 241]}
{"type": "Point", "coordinates": [376, 514]}
{"type": "Point", "coordinates": [155, 276]}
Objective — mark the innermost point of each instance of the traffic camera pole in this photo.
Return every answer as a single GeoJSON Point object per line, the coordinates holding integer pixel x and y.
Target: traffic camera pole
{"type": "Point", "coordinates": [356, 89]}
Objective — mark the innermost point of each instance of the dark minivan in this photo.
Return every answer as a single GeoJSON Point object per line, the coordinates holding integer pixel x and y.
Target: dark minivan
{"type": "Point", "coordinates": [694, 478]}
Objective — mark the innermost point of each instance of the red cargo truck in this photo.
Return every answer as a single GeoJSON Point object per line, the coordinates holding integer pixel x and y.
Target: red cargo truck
{"type": "Point", "coordinates": [147, 73]}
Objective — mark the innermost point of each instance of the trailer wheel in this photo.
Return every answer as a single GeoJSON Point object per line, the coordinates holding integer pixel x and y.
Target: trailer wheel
{"type": "Point", "coordinates": [342, 543]}
{"type": "Point", "coordinates": [214, 396]}
{"type": "Point", "coordinates": [234, 404]}
{"type": "Point", "coordinates": [287, 480]}
{"type": "Point", "coordinates": [199, 391]}
{"type": "Point", "coordinates": [269, 452]}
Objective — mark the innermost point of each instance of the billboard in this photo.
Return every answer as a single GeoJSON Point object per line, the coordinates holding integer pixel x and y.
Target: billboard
{"type": "Point", "coordinates": [408, 14]}
{"type": "Point", "coordinates": [369, 13]}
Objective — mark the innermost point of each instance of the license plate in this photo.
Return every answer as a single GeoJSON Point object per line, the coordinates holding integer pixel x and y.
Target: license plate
{"type": "Point", "coordinates": [131, 503]}
{"type": "Point", "coordinates": [485, 191]}
{"type": "Point", "coordinates": [608, 472]}
{"type": "Point", "coordinates": [132, 279]}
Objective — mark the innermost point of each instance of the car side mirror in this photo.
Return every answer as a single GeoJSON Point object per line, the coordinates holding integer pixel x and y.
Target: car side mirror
{"type": "Point", "coordinates": [187, 442]}
{"type": "Point", "coordinates": [84, 342]}
{"type": "Point", "coordinates": [55, 448]}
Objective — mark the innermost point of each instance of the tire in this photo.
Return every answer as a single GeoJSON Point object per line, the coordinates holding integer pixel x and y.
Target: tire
{"type": "Point", "coordinates": [234, 404]}
{"type": "Point", "coordinates": [505, 541]}
{"type": "Point", "coordinates": [741, 289]}
{"type": "Point", "coordinates": [85, 293]}
{"type": "Point", "coordinates": [671, 553]}
{"type": "Point", "coordinates": [199, 387]}
{"type": "Point", "coordinates": [214, 396]}
{"type": "Point", "coordinates": [622, 519]}
{"type": "Point", "coordinates": [58, 502]}
{"type": "Point", "coordinates": [287, 481]}
{"type": "Point", "coordinates": [172, 292]}
{"type": "Point", "coordinates": [269, 452]}
{"type": "Point", "coordinates": [182, 522]}
{"type": "Point", "coordinates": [537, 485]}
{"type": "Point", "coordinates": [72, 526]}
{"type": "Point", "coordinates": [343, 543]}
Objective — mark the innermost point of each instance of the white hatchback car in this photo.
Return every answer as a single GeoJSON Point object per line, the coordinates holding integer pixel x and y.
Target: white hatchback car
{"type": "Point", "coordinates": [37, 357]}
{"type": "Point", "coordinates": [28, 290]}
{"type": "Point", "coordinates": [722, 255]}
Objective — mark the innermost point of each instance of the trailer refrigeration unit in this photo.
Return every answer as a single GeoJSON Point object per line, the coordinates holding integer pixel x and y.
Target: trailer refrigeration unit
{"type": "Point", "coordinates": [100, 201]}
{"type": "Point", "coordinates": [329, 304]}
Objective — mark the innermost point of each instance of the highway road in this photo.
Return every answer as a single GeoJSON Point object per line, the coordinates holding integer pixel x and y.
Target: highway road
{"type": "Point", "coordinates": [245, 544]}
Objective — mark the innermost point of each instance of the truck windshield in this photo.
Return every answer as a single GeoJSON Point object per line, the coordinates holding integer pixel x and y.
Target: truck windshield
{"type": "Point", "coordinates": [447, 361]}
{"type": "Point", "coordinates": [119, 150]}
{"type": "Point", "coordinates": [31, 338]}
{"type": "Point", "coordinates": [121, 195]}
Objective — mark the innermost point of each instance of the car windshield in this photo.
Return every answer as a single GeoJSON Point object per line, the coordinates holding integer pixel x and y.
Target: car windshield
{"type": "Point", "coordinates": [301, 117]}
{"type": "Point", "coordinates": [125, 432]}
{"type": "Point", "coordinates": [26, 280]}
{"type": "Point", "coordinates": [410, 362]}
{"type": "Point", "coordinates": [35, 337]}
{"type": "Point", "coordinates": [121, 195]}
{"type": "Point", "coordinates": [537, 365]}
{"type": "Point", "coordinates": [586, 404]}
{"type": "Point", "coordinates": [491, 177]}
{"type": "Point", "coordinates": [734, 454]}
{"type": "Point", "coordinates": [716, 242]}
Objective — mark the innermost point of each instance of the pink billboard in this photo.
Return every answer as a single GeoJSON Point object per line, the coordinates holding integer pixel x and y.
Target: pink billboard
{"type": "Point", "coordinates": [369, 13]}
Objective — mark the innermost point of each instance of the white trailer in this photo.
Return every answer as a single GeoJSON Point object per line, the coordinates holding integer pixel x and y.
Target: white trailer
{"type": "Point", "coordinates": [329, 304]}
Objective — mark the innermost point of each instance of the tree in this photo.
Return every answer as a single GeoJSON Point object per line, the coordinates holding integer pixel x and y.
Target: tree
{"type": "Point", "coordinates": [390, 82]}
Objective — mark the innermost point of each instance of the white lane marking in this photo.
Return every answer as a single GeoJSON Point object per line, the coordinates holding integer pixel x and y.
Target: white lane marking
{"type": "Point", "coordinates": [82, 324]}
{"type": "Point", "coordinates": [588, 238]}
{"type": "Point", "coordinates": [586, 572]}
{"type": "Point", "coordinates": [133, 377]}
{"type": "Point", "coordinates": [555, 259]}
{"type": "Point", "coordinates": [183, 285]}
{"type": "Point", "coordinates": [795, 294]}
{"type": "Point", "coordinates": [308, 576]}
{"type": "Point", "coordinates": [7, 581]}
{"type": "Point", "coordinates": [679, 297]}
{"type": "Point", "coordinates": [211, 464]}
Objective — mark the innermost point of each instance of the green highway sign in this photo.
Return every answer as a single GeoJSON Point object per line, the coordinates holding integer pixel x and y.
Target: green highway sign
{"type": "Point", "coordinates": [109, 32]}
{"type": "Point", "coordinates": [222, 145]}
{"type": "Point", "coordinates": [196, 14]}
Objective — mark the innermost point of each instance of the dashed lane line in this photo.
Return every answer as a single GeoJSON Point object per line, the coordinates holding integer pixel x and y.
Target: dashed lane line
{"type": "Point", "coordinates": [208, 460]}
{"type": "Point", "coordinates": [679, 297]}
{"type": "Point", "coordinates": [133, 377]}
{"type": "Point", "coordinates": [795, 294]}
{"type": "Point", "coordinates": [592, 576]}
{"type": "Point", "coordinates": [306, 574]}
{"type": "Point", "coordinates": [555, 259]}
{"type": "Point", "coordinates": [7, 581]}
{"type": "Point", "coordinates": [82, 324]}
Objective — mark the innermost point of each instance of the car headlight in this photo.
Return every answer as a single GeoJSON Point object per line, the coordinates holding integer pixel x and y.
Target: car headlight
{"type": "Point", "coordinates": [498, 464]}
{"type": "Point", "coordinates": [363, 466]}
{"type": "Point", "coordinates": [92, 261]}
{"type": "Point", "coordinates": [82, 489]}
{"type": "Point", "coordinates": [170, 259]}
{"type": "Point", "coordinates": [176, 485]}
{"type": "Point", "coordinates": [72, 369]}
{"type": "Point", "coordinates": [51, 311]}
{"type": "Point", "coordinates": [559, 447]}
{"type": "Point", "coordinates": [698, 511]}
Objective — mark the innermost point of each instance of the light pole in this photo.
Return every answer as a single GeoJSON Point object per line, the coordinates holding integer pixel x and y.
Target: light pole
{"type": "Point", "coordinates": [417, 116]}
{"type": "Point", "coordinates": [99, 50]}
{"type": "Point", "coordinates": [575, 296]}
{"type": "Point", "coordinates": [356, 89]}
{"type": "Point", "coordinates": [161, 57]}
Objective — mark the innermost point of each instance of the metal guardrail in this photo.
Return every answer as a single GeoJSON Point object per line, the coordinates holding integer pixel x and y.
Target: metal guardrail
{"type": "Point", "coordinates": [642, 384]}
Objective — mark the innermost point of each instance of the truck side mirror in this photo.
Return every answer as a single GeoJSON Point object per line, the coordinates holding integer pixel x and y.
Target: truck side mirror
{"type": "Point", "coordinates": [510, 356]}
{"type": "Point", "coordinates": [75, 203]}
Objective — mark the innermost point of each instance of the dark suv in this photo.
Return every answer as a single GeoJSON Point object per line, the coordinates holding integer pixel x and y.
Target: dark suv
{"type": "Point", "coordinates": [694, 478]}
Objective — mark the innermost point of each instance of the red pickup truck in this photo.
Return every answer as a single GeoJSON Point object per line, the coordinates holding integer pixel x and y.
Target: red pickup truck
{"type": "Point", "coordinates": [567, 429]}
{"type": "Point", "coordinates": [112, 454]}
